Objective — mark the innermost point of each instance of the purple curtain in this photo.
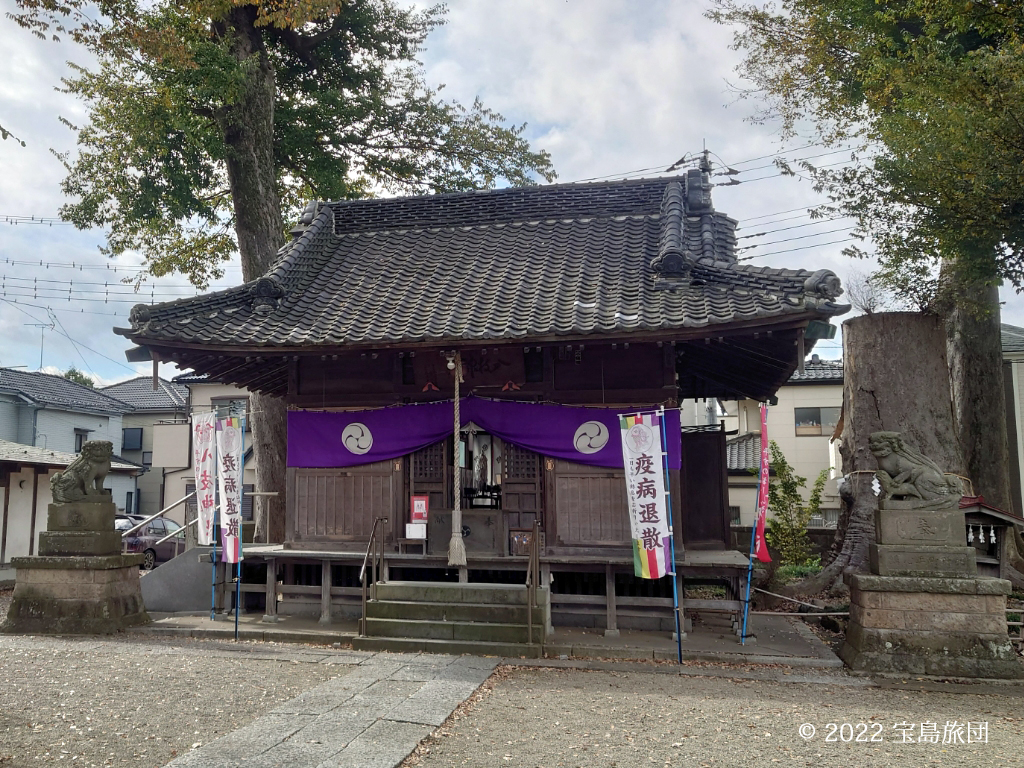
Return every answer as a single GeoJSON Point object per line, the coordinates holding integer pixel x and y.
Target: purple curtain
{"type": "Point", "coordinates": [348, 438]}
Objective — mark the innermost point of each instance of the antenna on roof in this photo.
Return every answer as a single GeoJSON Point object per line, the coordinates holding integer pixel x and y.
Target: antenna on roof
{"type": "Point", "coordinates": [42, 337]}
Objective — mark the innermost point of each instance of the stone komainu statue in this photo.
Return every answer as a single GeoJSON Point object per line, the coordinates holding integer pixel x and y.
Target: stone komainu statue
{"type": "Point", "coordinates": [906, 475]}
{"type": "Point", "coordinates": [85, 475]}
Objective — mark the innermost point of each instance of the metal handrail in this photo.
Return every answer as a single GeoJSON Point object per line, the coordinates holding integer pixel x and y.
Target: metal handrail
{"type": "Point", "coordinates": [162, 512]}
{"type": "Point", "coordinates": [532, 579]}
{"type": "Point", "coordinates": [176, 532]}
{"type": "Point", "coordinates": [374, 572]}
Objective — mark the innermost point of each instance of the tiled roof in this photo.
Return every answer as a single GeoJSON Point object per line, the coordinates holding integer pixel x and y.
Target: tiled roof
{"type": "Point", "coordinates": [191, 378]}
{"type": "Point", "coordinates": [743, 452]}
{"type": "Point", "coordinates": [547, 261]}
{"type": "Point", "coordinates": [30, 454]}
{"type": "Point", "coordinates": [1012, 337]}
{"type": "Point", "coordinates": [820, 372]}
{"type": "Point", "coordinates": [58, 392]}
{"type": "Point", "coordinates": [139, 393]}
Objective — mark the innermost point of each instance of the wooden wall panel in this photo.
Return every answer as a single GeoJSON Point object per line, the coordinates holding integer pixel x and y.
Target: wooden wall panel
{"type": "Point", "coordinates": [590, 506]}
{"type": "Point", "coordinates": [341, 504]}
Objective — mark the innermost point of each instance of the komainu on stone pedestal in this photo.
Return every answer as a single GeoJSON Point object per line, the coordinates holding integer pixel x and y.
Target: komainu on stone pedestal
{"type": "Point", "coordinates": [79, 583]}
{"type": "Point", "coordinates": [924, 611]}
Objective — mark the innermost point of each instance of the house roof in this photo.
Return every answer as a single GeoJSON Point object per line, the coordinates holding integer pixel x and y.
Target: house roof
{"type": "Point", "coordinates": [819, 372]}
{"type": "Point", "coordinates": [743, 453]}
{"type": "Point", "coordinates": [1012, 338]}
{"type": "Point", "coordinates": [545, 262]}
{"type": "Point", "coordinates": [57, 392]}
{"type": "Point", "coordinates": [139, 393]}
{"type": "Point", "coordinates": [30, 454]}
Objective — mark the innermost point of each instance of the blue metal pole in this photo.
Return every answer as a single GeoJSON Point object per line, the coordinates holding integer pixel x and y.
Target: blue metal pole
{"type": "Point", "coordinates": [750, 558]}
{"type": "Point", "coordinates": [672, 535]}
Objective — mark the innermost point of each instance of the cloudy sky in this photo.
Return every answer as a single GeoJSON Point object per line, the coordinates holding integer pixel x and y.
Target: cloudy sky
{"type": "Point", "coordinates": [611, 88]}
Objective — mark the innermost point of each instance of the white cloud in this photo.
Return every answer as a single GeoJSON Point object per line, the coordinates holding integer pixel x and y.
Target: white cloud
{"type": "Point", "coordinates": [607, 86]}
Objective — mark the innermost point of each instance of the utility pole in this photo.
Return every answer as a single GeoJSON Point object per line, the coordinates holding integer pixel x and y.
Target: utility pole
{"type": "Point", "coordinates": [42, 336]}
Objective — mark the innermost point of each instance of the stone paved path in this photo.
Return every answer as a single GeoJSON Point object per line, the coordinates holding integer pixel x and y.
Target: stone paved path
{"type": "Point", "coordinates": [372, 717]}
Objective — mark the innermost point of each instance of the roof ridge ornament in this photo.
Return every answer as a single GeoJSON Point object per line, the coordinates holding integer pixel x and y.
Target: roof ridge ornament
{"type": "Point", "coordinates": [140, 315]}
{"type": "Point", "coordinates": [672, 260]}
{"type": "Point", "coordinates": [825, 283]}
{"type": "Point", "coordinates": [266, 295]}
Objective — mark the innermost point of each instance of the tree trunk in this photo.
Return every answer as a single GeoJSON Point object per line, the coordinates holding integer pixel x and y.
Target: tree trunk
{"type": "Point", "coordinates": [976, 379]}
{"type": "Point", "coordinates": [248, 127]}
{"type": "Point", "coordinates": [896, 379]}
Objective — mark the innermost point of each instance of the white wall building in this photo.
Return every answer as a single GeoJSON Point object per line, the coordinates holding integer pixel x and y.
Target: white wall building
{"type": "Point", "coordinates": [801, 424]}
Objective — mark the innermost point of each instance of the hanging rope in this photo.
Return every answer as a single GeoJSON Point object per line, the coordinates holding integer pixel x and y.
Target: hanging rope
{"type": "Point", "coordinates": [457, 547]}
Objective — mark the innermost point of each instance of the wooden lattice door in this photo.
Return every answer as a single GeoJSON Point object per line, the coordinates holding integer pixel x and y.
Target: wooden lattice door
{"type": "Point", "coordinates": [430, 474]}
{"type": "Point", "coordinates": [521, 486]}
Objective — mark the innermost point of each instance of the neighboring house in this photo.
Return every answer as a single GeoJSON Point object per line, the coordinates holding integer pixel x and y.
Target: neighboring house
{"type": "Point", "coordinates": [53, 413]}
{"type": "Point", "coordinates": [25, 473]}
{"type": "Point", "coordinates": [167, 403]}
{"type": "Point", "coordinates": [173, 441]}
{"type": "Point", "coordinates": [1013, 379]}
{"type": "Point", "coordinates": [801, 423]}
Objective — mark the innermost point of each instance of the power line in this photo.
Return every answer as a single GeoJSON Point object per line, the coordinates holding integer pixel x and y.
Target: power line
{"type": "Point", "coordinates": [795, 226]}
{"type": "Point", "coordinates": [791, 239]}
{"type": "Point", "coordinates": [790, 250]}
{"type": "Point", "coordinates": [793, 160]}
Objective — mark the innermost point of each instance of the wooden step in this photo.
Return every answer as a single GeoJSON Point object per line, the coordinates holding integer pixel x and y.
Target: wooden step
{"type": "Point", "coordinates": [428, 611]}
{"type": "Point", "coordinates": [469, 631]}
{"type": "Point", "coordinates": [456, 647]}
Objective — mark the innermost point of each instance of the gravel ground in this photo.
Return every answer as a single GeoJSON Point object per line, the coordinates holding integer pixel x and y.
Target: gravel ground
{"type": "Point", "coordinates": [136, 702]}
{"type": "Point", "coordinates": [553, 718]}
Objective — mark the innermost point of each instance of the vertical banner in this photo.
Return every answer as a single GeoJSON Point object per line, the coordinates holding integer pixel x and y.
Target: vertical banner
{"type": "Point", "coordinates": [229, 465]}
{"type": "Point", "coordinates": [760, 545]}
{"type": "Point", "coordinates": [203, 427]}
{"type": "Point", "coordinates": [644, 464]}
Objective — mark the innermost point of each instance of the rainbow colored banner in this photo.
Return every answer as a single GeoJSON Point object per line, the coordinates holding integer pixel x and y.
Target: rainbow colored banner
{"type": "Point", "coordinates": [647, 491]}
{"type": "Point", "coordinates": [229, 476]}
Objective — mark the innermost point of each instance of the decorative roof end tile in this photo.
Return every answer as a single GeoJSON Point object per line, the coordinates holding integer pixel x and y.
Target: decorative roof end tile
{"type": "Point", "coordinates": [266, 295]}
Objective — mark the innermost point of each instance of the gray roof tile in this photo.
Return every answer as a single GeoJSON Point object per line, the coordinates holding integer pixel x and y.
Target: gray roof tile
{"type": "Point", "coordinates": [140, 395]}
{"type": "Point", "coordinates": [1012, 337]}
{"type": "Point", "coordinates": [820, 372]}
{"type": "Point", "coordinates": [58, 392]}
{"type": "Point", "coordinates": [744, 452]}
{"type": "Point", "coordinates": [571, 259]}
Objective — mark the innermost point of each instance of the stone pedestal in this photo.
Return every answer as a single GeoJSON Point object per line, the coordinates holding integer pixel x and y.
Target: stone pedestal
{"type": "Point", "coordinates": [924, 610]}
{"type": "Point", "coordinates": [948, 627]}
{"type": "Point", "coordinates": [79, 583]}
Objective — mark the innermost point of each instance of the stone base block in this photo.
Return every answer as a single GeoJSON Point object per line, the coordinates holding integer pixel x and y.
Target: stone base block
{"type": "Point", "coordinates": [81, 516]}
{"type": "Point", "coordinates": [76, 595]}
{"type": "Point", "coordinates": [71, 543]}
{"type": "Point", "coordinates": [924, 626]}
{"type": "Point", "coordinates": [921, 528]}
{"type": "Point", "coordinates": [905, 560]}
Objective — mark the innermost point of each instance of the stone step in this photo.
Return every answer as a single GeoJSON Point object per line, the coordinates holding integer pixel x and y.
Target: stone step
{"type": "Point", "coordinates": [468, 631]}
{"type": "Point", "coordinates": [448, 592]}
{"type": "Point", "coordinates": [478, 612]}
{"type": "Point", "coordinates": [455, 647]}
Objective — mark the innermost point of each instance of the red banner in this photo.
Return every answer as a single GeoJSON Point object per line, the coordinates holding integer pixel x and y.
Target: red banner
{"type": "Point", "coordinates": [760, 546]}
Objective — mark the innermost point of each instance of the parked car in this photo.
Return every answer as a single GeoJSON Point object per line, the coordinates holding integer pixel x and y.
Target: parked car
{"type": "Point", "coordinates": [145, 539]}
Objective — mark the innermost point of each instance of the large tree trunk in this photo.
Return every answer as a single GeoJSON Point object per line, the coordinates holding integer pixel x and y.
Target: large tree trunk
{"type": "Point", "coordinates": [248, 127]}
{"type": "Point", "coordinates": [976, 380]}
{"type": "Point", "coordinates": [896, 379]}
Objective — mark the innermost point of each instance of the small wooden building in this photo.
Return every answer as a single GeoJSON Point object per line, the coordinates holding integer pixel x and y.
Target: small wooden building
{"type": "Point", "coordinates": [616, 296]}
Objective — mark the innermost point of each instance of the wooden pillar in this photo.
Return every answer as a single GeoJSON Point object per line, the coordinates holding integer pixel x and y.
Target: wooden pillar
{"type": "Point", "coordinates": [270, 614]}
{"type": "Point", "coordinates": [463, 574]}
{"type": "Point", "coordinates": [32, 523]}
{"type": "Point", "coordinates": [325, 591]}
{"type": "Point", "coordinates": [611, 621]}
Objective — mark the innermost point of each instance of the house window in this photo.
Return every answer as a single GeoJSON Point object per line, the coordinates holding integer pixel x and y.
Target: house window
{"type": "Point", "coordinates": [816, 421]}
{"type": "Point", "coordinates": [734, 515]}
{"type": "Point", "coordinates": [131, 439]}
{"type": "Point", "coordinates": [81, 435]}
{"type": "Point", "coordinates": [128, 503]}
{"type": "Point", "coordinates": [147, 458]}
